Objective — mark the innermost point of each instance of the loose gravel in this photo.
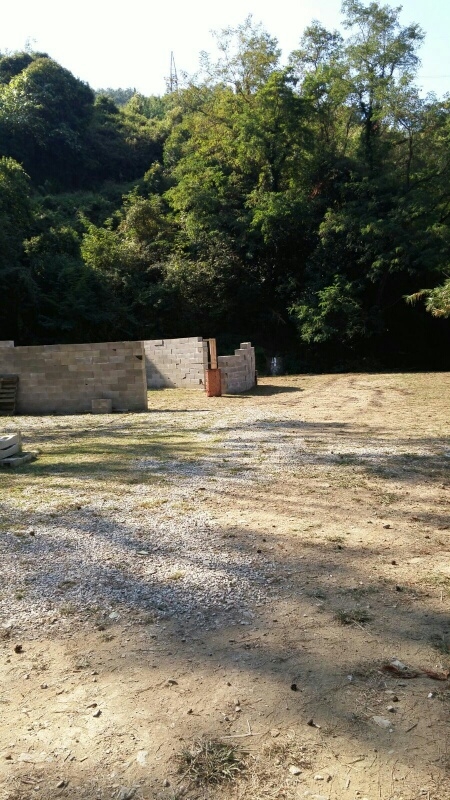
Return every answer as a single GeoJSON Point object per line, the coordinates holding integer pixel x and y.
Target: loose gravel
{"type": "Point", "coordinates": [83, 542]}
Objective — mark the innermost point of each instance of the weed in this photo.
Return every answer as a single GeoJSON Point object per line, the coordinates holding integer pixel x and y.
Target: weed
{"type": "Point", "coordinates": [440, 643]}
{"type": "Point", "coordinates": [346, 459]}
{"type": "Point", "coordinates": [210, 761]}
{"type": "Point", "coordinates": [154, 503]}
{"type": "Point", "coordinates": [318, 593]}
{"type": "Point", "coordinates": [352, 615]}
{"type": "Point", "coordinates": [441, 581]}
{"type": "Point", "coordinates": [67, 584]}
{"type": "Point", "coordinates": [360, 591]}
{"type": "Point", "coordinates": [176, 576]}
{"type": "Point", "coordinates": [148, 619]}
{"type": "Point", "coordinates": [68, 610]}
{"type": "Point", "coordinates": [286, 751]}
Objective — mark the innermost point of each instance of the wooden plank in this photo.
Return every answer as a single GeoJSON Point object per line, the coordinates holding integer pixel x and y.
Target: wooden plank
{"type": "Point", "coordinates": [9, 380]}
{"type": "Point", "coordinates": [212, 353]}
{"type": "Point", "coordinates": [8, 394]}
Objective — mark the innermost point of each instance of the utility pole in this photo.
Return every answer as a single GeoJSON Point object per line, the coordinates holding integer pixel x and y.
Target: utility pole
{"type": "Point", "coordinates": [173, 80]}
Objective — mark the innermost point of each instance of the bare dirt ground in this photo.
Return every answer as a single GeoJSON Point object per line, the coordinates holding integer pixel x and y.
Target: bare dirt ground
{"type": "Point", "coordinates": [242, 568]}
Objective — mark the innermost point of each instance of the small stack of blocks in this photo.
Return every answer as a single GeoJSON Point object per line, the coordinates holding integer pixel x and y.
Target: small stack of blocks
{"type": "Point", "coordinates": [10, 445]}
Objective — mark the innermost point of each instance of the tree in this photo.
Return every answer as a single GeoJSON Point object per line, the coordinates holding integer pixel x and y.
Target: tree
{"type": "Point", "coordinates": [128, 254]}
{"type": "Point", "coordinates": [44, 112]}
{"type": "Point", "coordinates": [381, 61]}
{"type": "Point", "coordinates": [12, 64]}
{"type": "Point", "coordinates": [237, 162]}
{"type": "Point", "coordinates": [437, 301]}
{"type": "Point", "coordinates": [248, 56]}
{"type": "Point", "coordinates": [376, 221]}
{"type": "Point", "coordinates": [119, 96]}
{"type": "Point", "coordinates": [120, 143]}
{"type": "Point", "coordinates": [72, 302]}
{"type": "Point", "coordinates": [16, 284]}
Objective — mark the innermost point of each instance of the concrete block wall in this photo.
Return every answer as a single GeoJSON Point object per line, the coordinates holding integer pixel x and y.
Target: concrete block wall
{"type": "Point", "coordinates": [176, 362]}
{"type": "Point", "coordinates": [66, 378]}
{"type": "Point", "coordinates": [238, 371]}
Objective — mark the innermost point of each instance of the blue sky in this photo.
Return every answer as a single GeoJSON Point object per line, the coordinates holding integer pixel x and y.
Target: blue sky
{"type": "Point", "coordinates": [129, 44]}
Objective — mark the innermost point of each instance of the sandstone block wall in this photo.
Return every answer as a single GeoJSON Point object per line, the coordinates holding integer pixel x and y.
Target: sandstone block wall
{"type": "Point", "coordinates": [238, 371]}
{"type": "Point", "coordinates": [66, 378]}
{"type": "Point", "coordinates": [176, 362]}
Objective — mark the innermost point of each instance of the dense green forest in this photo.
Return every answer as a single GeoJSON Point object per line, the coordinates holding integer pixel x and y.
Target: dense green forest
{"type": "Point", "coordinates": [304, 206]}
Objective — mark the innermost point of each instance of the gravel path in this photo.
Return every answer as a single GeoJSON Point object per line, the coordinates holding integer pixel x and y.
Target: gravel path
{"type": "Point", "coordinates": [172, 575]}
{"type": "Point", "coordinates": [134, 534]}
{"type": "Point", "coordinates": [75, 550]}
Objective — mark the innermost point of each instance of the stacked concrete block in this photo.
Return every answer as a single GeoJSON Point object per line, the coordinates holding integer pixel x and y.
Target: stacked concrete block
{"type": "Point", "coordinates": [64, 379]}
{"type": "Point", "coordinates": [176, 362]}
{"type": "Point", "coordinates": [7, 358]}
{"type": "Point", "coordinates": [10, 445]}
{"type": "Point", "coordinates": [238, 371]}
{"type": "Point", "coordinates": [101, 406]}
{"type": "Point", "coordinates": [8, 379]}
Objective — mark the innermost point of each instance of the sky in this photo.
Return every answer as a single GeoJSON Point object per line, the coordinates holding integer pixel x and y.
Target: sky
{"type": "Point", "coordinates": [129, 44]}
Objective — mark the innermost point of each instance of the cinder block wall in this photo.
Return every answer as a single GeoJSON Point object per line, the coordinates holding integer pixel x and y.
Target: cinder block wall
{"type": "Point", "coordinates": [238, 371]}
{"type": "Point", "coordinates": [65, 378]}
{"type": "Point", "coordinates": [176, 362]}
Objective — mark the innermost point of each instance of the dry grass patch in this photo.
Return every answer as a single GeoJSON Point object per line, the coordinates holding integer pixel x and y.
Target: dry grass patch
{"type": "Point", "coordinates": [352, 615]}
{"type": "Point", "coordinates": [209, 762]}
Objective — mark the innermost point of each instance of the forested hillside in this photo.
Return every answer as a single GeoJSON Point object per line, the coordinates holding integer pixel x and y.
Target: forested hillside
{"type": "Point", "coordinates": [295, 204]}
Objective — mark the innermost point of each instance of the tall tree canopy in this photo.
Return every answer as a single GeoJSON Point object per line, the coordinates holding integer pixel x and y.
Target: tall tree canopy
{"type": "Point", "coordinates": [296, 204]}
{"type": "Point", "coordinates": [16, 284]}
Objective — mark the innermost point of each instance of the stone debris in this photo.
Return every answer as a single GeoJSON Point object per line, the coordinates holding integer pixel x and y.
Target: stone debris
{"type": "Point", "coordinates": [141, 757]}
{"type": "Point", "coordinates": [382, 722]}
{"type": "Point", "coordinates": [126, 794]}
